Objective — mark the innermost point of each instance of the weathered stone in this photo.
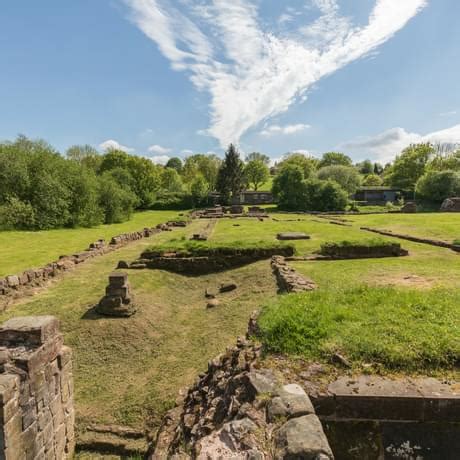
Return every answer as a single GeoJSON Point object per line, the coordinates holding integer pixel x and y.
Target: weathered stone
{"type": "Point", "coordinates": [227, 287]}
{"type": "Point", "coordinates": [122, 264]}
{"type": "Point", "coordinates": [30, 330]}
{"type": "Point", "coordinates": [13, 281]}
{"type": "Point", "coordinates": [292, 236]}
{"type": "Point", "coordinates": [261, 382]}
{"type": "Point", "coordinates": [302, 438]}
{"type": "Point", "coordinates": [291, 401]}
{"type": "Point", "coordinates": [451, 205]}
{"type": "Point", "coordinates": [118, 279]}
{"type": "Point", "coordinates": [212, 303]}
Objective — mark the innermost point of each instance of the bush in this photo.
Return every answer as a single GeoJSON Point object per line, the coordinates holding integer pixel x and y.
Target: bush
{"type": "Point", "coordinates": [173, 201]}
{"type": "Point", "coordinates": [16, 214]}
{"type": "Point", "coordinates": [436, 186]}
{"type": "Point", "coordinates": [346, 176]}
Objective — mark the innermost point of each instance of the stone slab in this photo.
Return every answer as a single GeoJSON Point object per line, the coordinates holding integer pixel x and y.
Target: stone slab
{"type": "Point", "coordinates": [28, 330]}
{"type": "Point", "coordinates": [285, 236]}
{"type": "Point", "coordinates": [381, 398]}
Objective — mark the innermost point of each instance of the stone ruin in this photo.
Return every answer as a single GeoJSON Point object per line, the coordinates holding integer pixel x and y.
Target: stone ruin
{"type": "Point", "coordinates": [36, 391]}
{"type": "Point", "coordinates": [451, 205]}
{"type": "Point", "coordinates": [409, 208]}
{"type": "Point", "coordinates": [118, 300]}
{"type": "Point", "coordinates": [288, 279]}
{"type": "Point", "coordinates": [236, 410]}
{"type": "Point", "coordinates": [286, 236]}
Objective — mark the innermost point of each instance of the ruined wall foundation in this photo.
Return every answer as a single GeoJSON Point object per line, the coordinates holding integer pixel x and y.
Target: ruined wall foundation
{"type": "Point", "coordinates": [36, 391]}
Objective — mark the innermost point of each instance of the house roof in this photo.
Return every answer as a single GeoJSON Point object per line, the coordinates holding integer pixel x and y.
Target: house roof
{"type": "Point", "coordinates": [378, 188]}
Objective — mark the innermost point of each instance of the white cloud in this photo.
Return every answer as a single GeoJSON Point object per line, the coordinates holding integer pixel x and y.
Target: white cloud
{"type": "Point", "coordinates": [111, 144]}
{"type": "Point", "coordinates": [386, 145]}
{"type": "Point", "coordinates": [250, 73]}
{"type": "Point", "coordinates": [160, 159]}
{"type": "Point", "coordinates": [158, 149]}
{"type": "Point", "coordinates": [186, 152]}
{"type": "Point", "coordinates": [288, 129]}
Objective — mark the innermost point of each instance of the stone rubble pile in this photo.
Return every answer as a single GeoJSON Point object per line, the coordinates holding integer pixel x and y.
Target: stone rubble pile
{"type": "Point", "coordinates": [118, 300]}
{"type": "Point", "coordinates": [287, 277]}
{"type": "Point", "coordinates": [236, 410]}
{"type": "Point", "coordinates": [15, 285]}
{"type": "Point", "coordinates": [36, 391]}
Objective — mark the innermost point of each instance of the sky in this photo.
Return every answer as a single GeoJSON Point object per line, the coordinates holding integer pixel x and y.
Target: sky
{"type": "Point", "coordinates": [164, 78]}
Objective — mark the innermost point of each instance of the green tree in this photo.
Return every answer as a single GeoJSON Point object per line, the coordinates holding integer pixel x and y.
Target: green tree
{"type": "Point", "coordinates": [436, 186]}
{"type": "Point", "coordinates": [287, 187]}
{"type": "Point", "coordinates": [86, 155]}
{"type": "Point", "coordinates": [334, 158]}
{"type": "Point", "coordinates": [378, 169]}
{"type": "Point", "coordinates": [372, 180]}
{"type": "Point", "coordinates": [171, 181]}
{"type": "Point", "coordinates": [445, 161]}
{"type": "Point", "coordinates": [256, 173]}
{"type": "Point", "coordinates": [365, 167]}
{"type": "Point", "coordinates": [346, 176]}
{"type": "Point", "coordinates": [199, 190]}
{"type": "Point", "coordinates": [259, 157]}
{"type": "Point", "coordinates": [230, 179]}
{"type": "Point", "coordinates": [206, 165]}
{"type": "Point", "coordinates": [175, 163]}
{"type": "Point", "coordinates": [308, 164]}
{"type": "Point", "coordinates": [409, 166]}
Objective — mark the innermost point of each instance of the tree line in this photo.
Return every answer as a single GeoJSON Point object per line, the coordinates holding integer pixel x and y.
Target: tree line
{"type": "Point", "coordinates": [42, 189]}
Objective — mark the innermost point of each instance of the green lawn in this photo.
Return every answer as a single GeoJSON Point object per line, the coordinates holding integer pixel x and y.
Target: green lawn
{"type": "Point", "coordinates": [21, 250]}
{"type": "Point", "coordinates": [442, 226]}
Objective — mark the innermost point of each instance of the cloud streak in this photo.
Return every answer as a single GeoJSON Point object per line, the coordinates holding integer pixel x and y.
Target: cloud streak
{"type": "Point", "coordinates": [251, 73]}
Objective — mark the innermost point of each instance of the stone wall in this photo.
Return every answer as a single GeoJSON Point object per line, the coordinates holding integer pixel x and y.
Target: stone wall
{"type": "Point", "coordinates": [237, 410]}
{"type": "Point", "coordinates": [36, 391]}
{"type": "Point", "coordinates": [206, 260]}
{"type": "Point", "coordinates": [287, 277]}
{"type": "Point", "coordinates": [17, 285]}
{"type": "Point", "coordinates": [361, 251]}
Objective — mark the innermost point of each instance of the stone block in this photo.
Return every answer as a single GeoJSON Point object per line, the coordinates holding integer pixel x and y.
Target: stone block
{"type": "Point", "coordinates": [117, 291]}
{"type": "Point", "coordinates": [28, 330]}
{"type": "Point", "coordinates": [302, 438]}
{"type": "Point", "coordinates": [285, 236]}
{"type": "Point", "coordinates": [13, 281]}
{"type": "Point", "coordinates": [290, 401]}
{"type": "Point", "coordinates": [118, 279]}
{"type": "Point", "coordinates": [9, 387]}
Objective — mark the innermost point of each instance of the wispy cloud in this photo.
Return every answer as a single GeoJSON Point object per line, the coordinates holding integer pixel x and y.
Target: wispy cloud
{"type": "Point", "coordinates": [450, 113]}
{"type": "Point", "coordinates": [288, 129]}
{"type": "Point", "coordinates": [111, 144]}
{"type": "Point", "coordinates": [250, 73]}
{"type": "Point", "coordinates": [158, 149]}
{"type": "Point", "coordinates": [386, 145]}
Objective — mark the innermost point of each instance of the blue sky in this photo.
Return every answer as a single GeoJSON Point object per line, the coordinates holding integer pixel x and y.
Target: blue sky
{"type": "Point", "coordinates": [169, 77]}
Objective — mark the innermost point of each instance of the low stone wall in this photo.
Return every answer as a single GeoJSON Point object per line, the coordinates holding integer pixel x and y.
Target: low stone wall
{"type": "Point", "coordinates": [415, 239]}
{"type": "Point", "coordinates": [207, 261]}
{"type": "Point", "coordinates": [361, 251]}
{"type": "Point", "coordinates": [36, 391]}
{"type": "Point", "coordinates": [17, 285]}
{"type": "Point", "coordinates": [288, 279]}
{"type": "Point", "coordinates": [236, 410]}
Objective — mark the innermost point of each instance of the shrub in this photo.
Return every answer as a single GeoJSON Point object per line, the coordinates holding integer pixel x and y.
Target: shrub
{"type": "Point", "coordinates": [15, 214]}
{"type": "Point", "coordinates": [436, 186]}
{"type": "Point", "coordinates": [346, 176]}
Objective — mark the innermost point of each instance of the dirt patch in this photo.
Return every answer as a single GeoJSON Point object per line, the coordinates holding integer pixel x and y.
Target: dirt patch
{"type": "Point", "coordinates": [404, 280]}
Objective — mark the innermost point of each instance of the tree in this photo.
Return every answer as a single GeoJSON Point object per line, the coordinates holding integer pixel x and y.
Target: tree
{"type": "Point", "coordinates": [171, 180]}
{"type": "Point", "coordinates": [436, 186]}
{"type": "Point", "coordinates": [372, 180]}
{"type": "Point", "coordinates": [206, 165]}
{"type": "Point", "coordinates": [306, 163]}
{"type": "Point", "coordinates": [287, 187]}
{"type": "Point", "coordinates": [230, 179]}
{"type": "Point", "coordinates": [175, 163]}
{"type": "Point", "coordinates": [258, 156]}
{"type": "Point", "coordinates": [86, 155]}
{"type": "Point", "coordinates": [325, 196]}
{"type": "Point", "coordinates": [409, 166]}
{"type": "Point", "coordinates": [365, 167]}
{"type": "Point", "coordinates": [445, 161]}
{"type": "Point", "coordinates": [334, 158]}
{"type": "Point", "coordinates": [346, 176]}
{"type": "Point", "coordinates": [256, 173]}
{"type": "Point", "coordinates": [199, 190]}
{"type": "Point", "coordinates": [378, 169]}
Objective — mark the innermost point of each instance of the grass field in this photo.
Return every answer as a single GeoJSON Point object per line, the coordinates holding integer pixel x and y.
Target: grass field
{"type": "Point", "coordinates": [22, 250]}
{"type": "Point", "coordinates": [385, 315]}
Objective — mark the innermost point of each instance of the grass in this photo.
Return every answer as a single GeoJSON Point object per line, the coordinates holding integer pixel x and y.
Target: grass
{"type": "Point", "coordinates": [390, 328]}
{"type": "Point", "coordinates": [20, 250]}
{"type": "Point", "coordinates": [129, 371]}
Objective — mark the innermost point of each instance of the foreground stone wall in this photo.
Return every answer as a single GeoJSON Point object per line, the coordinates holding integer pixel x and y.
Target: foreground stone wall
{"type": "Point", "coordinates": [237, 410]}
{"type": "Point", "coordinates": [36, 391]}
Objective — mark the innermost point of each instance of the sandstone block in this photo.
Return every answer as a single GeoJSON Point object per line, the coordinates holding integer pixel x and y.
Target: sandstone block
{"type": "Point", "coordinates": [28, 330]}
